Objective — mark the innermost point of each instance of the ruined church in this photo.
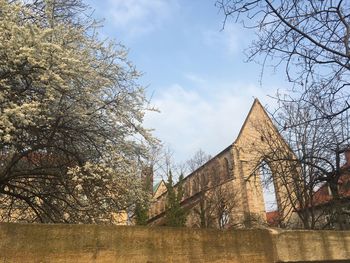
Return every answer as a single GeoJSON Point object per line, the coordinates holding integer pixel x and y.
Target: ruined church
{"type": "Point", "coordinates": [227, 191]}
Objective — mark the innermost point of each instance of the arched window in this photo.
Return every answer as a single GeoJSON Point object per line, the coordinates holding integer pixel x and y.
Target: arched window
{"type": "Point", "coordinates": [188, 189]}
{"type": "Point", "coordinates": [269, 191]}
{"type": "Point", "coordinates": [194, 184]}
{"type": "Point", "coordinates": [204, 181]}
{"type": "Point", "coordinates": [227, 169]}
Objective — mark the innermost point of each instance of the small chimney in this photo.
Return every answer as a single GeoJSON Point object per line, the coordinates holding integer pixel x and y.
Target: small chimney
{"type": "Point", "coordinates": [147, 178]}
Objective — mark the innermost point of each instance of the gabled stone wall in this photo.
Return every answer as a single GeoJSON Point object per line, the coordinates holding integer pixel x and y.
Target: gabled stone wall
{"type": "Point", "coordinates": [236, 167]}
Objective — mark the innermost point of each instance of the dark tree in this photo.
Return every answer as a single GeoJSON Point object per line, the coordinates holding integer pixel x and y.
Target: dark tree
{"type": "Point", "coordinates": [142, 206]}
{"type": "Point", "coordinates": [175, 215]}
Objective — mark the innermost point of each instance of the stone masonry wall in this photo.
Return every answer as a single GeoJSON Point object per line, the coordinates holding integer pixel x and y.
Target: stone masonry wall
{"type": "Point", "coordinates": [93, 243]}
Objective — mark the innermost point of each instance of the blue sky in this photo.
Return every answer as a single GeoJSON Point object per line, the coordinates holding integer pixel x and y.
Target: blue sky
{"type": "Point", "coordinates": [194, 71]}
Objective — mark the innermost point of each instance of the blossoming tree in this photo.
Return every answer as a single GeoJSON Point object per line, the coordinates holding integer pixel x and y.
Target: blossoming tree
{"type": "Point", "coordinates": [71, 112]}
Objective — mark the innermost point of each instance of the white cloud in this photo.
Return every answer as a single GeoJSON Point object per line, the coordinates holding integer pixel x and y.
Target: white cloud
{"type": "Point", "coordinates": [136, 17]}
{"type": "Point", "coordinates": [230, 38]}
{"type": "Point", "coordinates": [194, 119]}
{"type": "Point", "coordinates": [195, 78]}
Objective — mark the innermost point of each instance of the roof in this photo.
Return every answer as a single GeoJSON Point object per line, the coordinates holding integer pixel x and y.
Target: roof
{"type": "Point", "coordinates": [155, 187]}
{"type": "Point", "coordinates": [206, 163]}
{"type": "Point", "coordinates": [273, 218]}
{"type": "Point", "coordinates": [323, 196]}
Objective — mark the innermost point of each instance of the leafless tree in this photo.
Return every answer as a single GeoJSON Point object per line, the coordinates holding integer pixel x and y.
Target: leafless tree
{"type": "Point", "coordinates": [309, 38]}
{"type": "Point", "coordinates": [161, 158]}
{"type": "Point", "coordinates": [215, 201]}
{"type": "Point", "coordinates": [316, 157]}
{"type": "Point", "coordinates": [198, 159]}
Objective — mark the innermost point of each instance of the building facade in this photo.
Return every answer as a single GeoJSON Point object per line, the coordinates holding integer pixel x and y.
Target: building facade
{"type": "Point", "coordinates": [227, 191]}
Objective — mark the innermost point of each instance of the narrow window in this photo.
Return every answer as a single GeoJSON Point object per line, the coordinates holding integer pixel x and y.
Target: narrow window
{"type": "Point", "coordinates": [227, 169]}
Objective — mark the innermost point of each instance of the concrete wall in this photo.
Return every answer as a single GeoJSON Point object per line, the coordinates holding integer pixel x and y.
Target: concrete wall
{"type": "Point", "coordinates": [93, 243]}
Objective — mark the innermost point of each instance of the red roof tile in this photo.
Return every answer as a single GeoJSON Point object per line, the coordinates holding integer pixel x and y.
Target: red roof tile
{"type": "Point", "coordinates": [272, 218]}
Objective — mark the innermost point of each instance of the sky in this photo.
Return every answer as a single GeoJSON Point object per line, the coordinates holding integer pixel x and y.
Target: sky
{"type": "Point", "coordinates": [194, 69]}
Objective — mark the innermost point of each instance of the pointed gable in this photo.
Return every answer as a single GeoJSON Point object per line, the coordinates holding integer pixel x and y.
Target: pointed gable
{"type": "Point", "coordinates": [256, 115]}
{"type": "Point", "coordinates": [159, 189]}
{"type": "Point", "coordinates": [260, 136]}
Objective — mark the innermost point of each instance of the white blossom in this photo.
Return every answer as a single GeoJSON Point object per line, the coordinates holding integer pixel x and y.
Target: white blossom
{"type": "Point", "coordinates": [70, 110]}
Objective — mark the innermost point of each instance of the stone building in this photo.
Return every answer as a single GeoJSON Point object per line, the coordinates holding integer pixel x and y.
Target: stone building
{"type": "Point", "coordinates": [227, 190]}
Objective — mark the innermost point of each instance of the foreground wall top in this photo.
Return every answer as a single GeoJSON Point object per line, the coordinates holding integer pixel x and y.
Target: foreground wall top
{"type": "Point", "coordinates": [93, 243]}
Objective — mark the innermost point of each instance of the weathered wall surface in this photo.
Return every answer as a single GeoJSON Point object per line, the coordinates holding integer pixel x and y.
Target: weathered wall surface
{"type": "Point", "coordinates": [319, 246]}
{"type": "Point", "coordinates": [92, 243]}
